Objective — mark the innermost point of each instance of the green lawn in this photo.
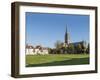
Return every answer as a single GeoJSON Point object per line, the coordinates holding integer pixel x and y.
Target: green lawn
{"type": "Point", "coordinates": [56, 59]}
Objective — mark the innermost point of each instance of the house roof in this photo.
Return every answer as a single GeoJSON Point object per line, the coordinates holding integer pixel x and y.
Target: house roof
{"type": "Point", "coordinates": [30, 47]}
{"type": "Point", "coordinates": [37, 47]}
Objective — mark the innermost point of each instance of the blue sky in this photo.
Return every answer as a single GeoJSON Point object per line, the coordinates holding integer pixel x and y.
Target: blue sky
{"type": "Point", "coordinates": [45, 29]}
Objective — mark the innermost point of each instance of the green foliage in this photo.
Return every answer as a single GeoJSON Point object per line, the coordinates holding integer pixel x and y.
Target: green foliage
{"type": "Point", "coordinates": [78, 48]}
{"type": "Point", "coordinates": [71, 48]}
{"type": "Point", "coordinates": [88, 49]}
{"type": "Point", "coordinates": [58, 44]}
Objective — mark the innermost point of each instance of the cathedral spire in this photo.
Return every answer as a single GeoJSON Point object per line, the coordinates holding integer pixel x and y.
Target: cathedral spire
{"type": "Point", "coordinates": [66, 29]}
{"type": "Point", "coordinates": [66, 36]}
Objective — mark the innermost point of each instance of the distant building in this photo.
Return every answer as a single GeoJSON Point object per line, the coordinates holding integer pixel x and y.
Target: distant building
{"type": "Point", "coordinates": [67, 42]}
{"type": "Point", "coordinates": [30, 50]}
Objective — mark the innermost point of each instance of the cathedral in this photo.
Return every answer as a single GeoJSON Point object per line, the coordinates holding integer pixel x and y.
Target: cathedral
{"type": "Point", "coordinates": [67, 43]}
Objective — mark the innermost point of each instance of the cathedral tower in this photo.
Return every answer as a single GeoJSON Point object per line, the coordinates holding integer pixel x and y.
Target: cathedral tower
{"type": "Point", "coordinates": [67, 40]}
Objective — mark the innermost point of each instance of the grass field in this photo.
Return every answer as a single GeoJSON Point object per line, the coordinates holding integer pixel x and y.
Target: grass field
{"type": "Point", "coordinates": [56, 59]}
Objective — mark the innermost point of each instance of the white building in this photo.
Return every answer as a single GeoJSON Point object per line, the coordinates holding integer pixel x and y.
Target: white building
{"type": "Point", "coordinates": [30, 50]}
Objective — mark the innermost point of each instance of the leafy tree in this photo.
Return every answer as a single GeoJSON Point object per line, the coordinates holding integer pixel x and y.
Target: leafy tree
{"type": "Point", "coordinates": [84, 48]}
{"type": "Point", "coordinates": [58, 44]}
{"type": "Point", "coordinates": [88, 49]}
{"type": "Point", "coordinates": [71, 48]}
{"type": "Point", "coordinates": [79, 48]}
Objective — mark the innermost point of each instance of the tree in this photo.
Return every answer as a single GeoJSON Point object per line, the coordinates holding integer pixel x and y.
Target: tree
{"type": "Point", "coordinates": [71, 48]}
{"type": "Point", "coordinates": [84, 48]}
{"type": "Point", "coordinates": [88, 49]}
{"type": "Point", "coordinates": [58, 44]}
{"type": "Point", "coordinates": [79, 48]}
